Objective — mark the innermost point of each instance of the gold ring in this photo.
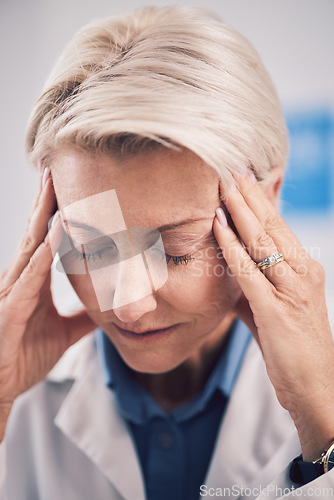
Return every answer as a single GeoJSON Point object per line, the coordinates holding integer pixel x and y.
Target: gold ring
{"type": "Point", "coordinates": [270, 261]}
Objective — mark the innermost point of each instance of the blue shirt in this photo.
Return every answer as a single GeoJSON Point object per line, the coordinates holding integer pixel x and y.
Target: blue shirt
{"type": "Point", "coordinates": [174, 449]}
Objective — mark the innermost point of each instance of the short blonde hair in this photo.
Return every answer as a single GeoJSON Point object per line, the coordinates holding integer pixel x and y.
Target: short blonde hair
{"type": "Point", "coordinates": [171, 76]}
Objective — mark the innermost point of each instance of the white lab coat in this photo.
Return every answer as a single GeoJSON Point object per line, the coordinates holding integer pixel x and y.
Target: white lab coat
{"type": "Point", "coordinates": [66, 440]}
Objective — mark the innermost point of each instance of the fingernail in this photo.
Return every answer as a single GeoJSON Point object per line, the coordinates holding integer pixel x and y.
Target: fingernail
{"type": "Point", "coordinates": [55, 218]}
{"type": "Point", "coordinates": [46, 174]}
{"type": "Point", "coordinates": [252, 177]}
{"type": "Point", "coordinates": [221, 217]}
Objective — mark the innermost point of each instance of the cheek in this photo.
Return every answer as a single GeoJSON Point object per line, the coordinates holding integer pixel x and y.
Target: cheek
{"type": "Point", "coordinates": [202, 286]}
{"type": "Point", "coordinates": [83, 287]}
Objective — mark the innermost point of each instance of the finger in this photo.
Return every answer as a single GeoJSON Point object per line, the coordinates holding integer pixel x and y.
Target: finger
{"type": "Point", "coordinates": [35, 233]}
{"type": "Point", "coordinates": [284, 238]}
{"type": "Point", "coordinates": [46, 207]}
{"type": "Point", "coordinates": [259, 244]}
{"type": "Point", "coordinates": [252, 282]}
{"type": "Point", "coordinates": [21, 301]}
{"type": "Point", "coordinates": [44, 174]}
{"type": "Point", "coordinates": [245, 313]}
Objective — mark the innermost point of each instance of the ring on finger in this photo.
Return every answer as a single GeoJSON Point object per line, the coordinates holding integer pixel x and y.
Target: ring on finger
{"type": "Point", "coordinates": [270, 261]}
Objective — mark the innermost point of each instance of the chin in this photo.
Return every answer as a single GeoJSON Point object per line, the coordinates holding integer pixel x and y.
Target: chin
{"type": "Point", "coordinates": [149, 363]}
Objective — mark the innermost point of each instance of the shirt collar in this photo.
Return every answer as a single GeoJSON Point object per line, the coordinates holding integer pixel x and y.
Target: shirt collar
{"type": "Point", "coordinates": [138, 406]}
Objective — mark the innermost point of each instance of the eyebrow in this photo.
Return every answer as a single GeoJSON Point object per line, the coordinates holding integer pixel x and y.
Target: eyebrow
{"type": "Point", "coordinates": [161, 229]}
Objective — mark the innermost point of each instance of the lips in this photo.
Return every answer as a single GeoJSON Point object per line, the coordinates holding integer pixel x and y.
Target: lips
{"type": "Point", "coordinates": [146, 332]}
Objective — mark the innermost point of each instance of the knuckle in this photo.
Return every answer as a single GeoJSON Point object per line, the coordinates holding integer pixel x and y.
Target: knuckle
{"type": "Point", "coordinates": [34, 261]}
{"type": "Point", "coordinates": [29, 221]}
{"type": "Point", "coordinates": [263, 240]}
{"type": "Point", "coordinates": [272, 221]}
{"type": "Point", "coordinates": [295, 295]}
{"type": "Point", "coordinates": [301, 292]}
{"type": "Point", "coordinates": [33, 264]}
{"type": "Point", "coordinates": [316, 273]}
{"type": "Point", "coordinates": [46, 244]}
{"type": "Point", "coordinates": [4, 292]}
{"type": "Point", "coordinates": [28, 245]}
{"type": "Point", "coordinates": [247, 267]}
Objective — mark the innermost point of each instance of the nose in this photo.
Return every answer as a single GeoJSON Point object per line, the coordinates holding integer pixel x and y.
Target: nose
{"type": "Point", "coordinates": [133, 295]}
{"type": "Point", "coordinates": [135, 310]}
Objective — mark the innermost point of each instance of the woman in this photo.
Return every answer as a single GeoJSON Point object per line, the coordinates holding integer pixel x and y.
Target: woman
{"type": "Point", "coordinates": [162, 147]}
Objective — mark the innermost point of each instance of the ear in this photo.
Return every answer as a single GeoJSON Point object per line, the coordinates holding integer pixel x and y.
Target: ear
{"type": "Point", "coordinates": [274, 186]}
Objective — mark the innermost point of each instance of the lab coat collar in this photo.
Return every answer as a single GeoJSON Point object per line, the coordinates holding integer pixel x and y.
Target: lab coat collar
{"type": "Point", "coordinates": [245, 455]}
{"type": "Point", "coordinates": [264, 442]}
{"type": "Point", "coordinates": [93, 423]}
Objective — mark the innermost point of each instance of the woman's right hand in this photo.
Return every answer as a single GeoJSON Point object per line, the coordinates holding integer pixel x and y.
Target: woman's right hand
{"type": "Point", "coordinates": [33, 336]}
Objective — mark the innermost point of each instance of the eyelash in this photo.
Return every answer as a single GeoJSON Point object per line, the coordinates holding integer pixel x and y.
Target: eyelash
{"type": "Point", "coordinates": [179, 259]}
{"type": "Point", "coordinates": [176, 259]}
{"type": "Point", "coordinates": [87, 256]}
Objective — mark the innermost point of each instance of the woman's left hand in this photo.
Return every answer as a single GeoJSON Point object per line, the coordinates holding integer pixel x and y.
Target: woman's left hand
{"type": "Point", "coordinates": [285, 308]}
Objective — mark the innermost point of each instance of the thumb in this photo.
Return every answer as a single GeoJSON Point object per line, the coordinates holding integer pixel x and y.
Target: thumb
{"type": "Point", "coordinates": [77, 326]}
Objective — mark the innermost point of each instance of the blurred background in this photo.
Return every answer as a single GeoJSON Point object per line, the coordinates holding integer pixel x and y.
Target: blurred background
{"type": "Point", "coordinates": [295, 40]}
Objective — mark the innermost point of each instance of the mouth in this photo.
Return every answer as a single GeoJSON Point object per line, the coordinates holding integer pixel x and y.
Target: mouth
{"type": "Point", "coordinates": [141, 334]}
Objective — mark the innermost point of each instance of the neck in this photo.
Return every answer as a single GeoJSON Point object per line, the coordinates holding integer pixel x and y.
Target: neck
{"type": "Point", "coordinates": [178, 386]}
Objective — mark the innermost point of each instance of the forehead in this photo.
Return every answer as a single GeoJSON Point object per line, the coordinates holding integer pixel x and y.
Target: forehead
{"type": "Point", "coordinates": [152, 188]}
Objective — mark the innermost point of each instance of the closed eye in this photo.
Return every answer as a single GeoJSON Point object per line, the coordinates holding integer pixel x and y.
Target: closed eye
{"type": "Point", "coordinates": [175, 259]}
{"type": "Point", "coordinates": [90, 256]}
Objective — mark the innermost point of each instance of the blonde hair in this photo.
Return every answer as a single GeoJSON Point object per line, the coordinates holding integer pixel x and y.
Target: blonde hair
{"type": "Point", "coordinates": [171, 76]}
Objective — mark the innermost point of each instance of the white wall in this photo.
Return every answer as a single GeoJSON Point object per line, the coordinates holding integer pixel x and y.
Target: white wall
{"type": "Point", "coordinates": [295, 39]}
